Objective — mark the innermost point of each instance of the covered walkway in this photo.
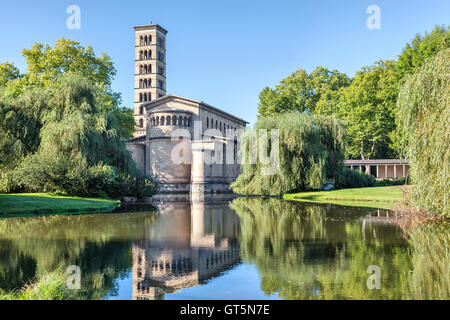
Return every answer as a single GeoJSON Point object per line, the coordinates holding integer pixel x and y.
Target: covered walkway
{"type": "Point", "coordinates": [381, 168]}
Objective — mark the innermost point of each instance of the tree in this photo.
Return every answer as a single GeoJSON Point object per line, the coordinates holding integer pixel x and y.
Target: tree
{"type": "Point", "coordinates": [422, 47]}
{"type": "Point", "coordinates": [76, 148]}
{"type": "Point", "coordinates": [8, 72]}
{"type": "Point", "coordinates": [424, 120]}
{"type": "Point", "coordinates": [45, 64]}
{"type": "Point", "coordinates": [303, 92]}
{"type": "Point", "coordinates": [311, 149]}
{"type": "Point", "coordinates": [367, 108]}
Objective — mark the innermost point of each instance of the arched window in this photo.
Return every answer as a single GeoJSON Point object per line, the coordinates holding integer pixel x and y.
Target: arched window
{"type": "Point", "coordinates": [141, 69]}
{"type": "Point", "coordinates": [174, 120]}
{"type": "Point", "coordinates": [220, 126]}
{"type": "Point", "coordinates": [207, 122]}
{"type": "Point", "coordinates": [140, 97]}
{"type": "Point", "coordinates": [185, 121]}
{"type": "Point", "coordinates": [149, 68]}
{"type": "Point", "coordinates": [141, 41]}
{"type": "Point", "coordinates": [149, 83]}
{"type": "Point", "coordinates": [216, 124]}
{"type": "Point", "coordinates": [189, 122]}
{"type": "Point", "coordinates": [149, 54]}
{"type": "Point", "coordinates": [157, 121]}
{"type": "Point", "coordinates": [141, 110]}
{"type": "Point", "coordinates": [145, 83]}
{"type": "Point", "coordinates": [140, 84]}
{"type": "Point", "coordinates": [145, 40]}
{"type": "Point", "coordinates": [141, 55]}
{"type": "Point", "coordinates": [141, 123]}
{"type": "Point", "coordinates": [163, 119]}
{"type": "Point", "coordinates": [180, 120]}
{"type": "Point", "coordinates": [168, 120]}
{"type": "Point", "coordinates": [149, 96]}
{"type": "Point", "coordinates": [145, 97]}
{"type": "Point", "coordinates": [150, 39]}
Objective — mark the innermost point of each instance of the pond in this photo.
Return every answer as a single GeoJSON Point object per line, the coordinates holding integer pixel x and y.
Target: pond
{"type": "Point", "coordinates": [248, 248]}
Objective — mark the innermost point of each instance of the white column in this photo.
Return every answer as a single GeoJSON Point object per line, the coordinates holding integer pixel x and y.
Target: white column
{"type": "Point", "coordinates": [360, 168]}
{"type": "Point", "coordinates": [395, 171]}
{"type": "Point", "coordinates": [378, 175]}
{"type": "Point", "coordinates": [385, 171]}
{"type": "Point", "coordinates": [404, 171]}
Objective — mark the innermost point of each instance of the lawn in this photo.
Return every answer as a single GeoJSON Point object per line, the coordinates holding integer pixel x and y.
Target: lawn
{"type": "Point", "coordinates": [377, 197]}
{"type": "Point", "coordinates": [13, 205]}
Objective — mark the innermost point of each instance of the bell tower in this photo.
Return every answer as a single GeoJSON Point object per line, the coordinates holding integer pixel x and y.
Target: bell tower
{"type": "Point", "coordinates": [149, 71]}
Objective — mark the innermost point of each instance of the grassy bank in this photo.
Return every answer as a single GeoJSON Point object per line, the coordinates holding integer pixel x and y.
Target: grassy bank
{"type": "Point", "coordinates": [377, 197]}
{"type": "Point", "coordinates": [51, 286]}
{"type": "Point", "coordinates": [14, 205]}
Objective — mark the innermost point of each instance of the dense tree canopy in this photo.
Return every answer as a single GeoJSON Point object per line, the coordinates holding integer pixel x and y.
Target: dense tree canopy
{"type": "Point", "coordinates": [45, 64]}
{"type": "Point", "coordinates": [302, 91]}
{"type": "Point", "coordinates": [367, 108]}
{"type": "Point", "coordinates": [424, 117]}
{"type": "Point", "coordinates": [366, 103]}
{"type": "Point", "coordinates": [61, 138]}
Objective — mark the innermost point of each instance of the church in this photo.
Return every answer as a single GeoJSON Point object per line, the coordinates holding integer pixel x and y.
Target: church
{"type": "Point", "coordinates": [186, 145]}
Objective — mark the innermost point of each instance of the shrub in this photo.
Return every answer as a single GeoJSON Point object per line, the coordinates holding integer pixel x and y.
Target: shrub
{"type": "Point", "coordinates": [347, 178]}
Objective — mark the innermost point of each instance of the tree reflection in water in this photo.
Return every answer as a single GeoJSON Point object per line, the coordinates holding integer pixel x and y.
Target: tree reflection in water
{"type": "Point", "coordinates": [301, 251]}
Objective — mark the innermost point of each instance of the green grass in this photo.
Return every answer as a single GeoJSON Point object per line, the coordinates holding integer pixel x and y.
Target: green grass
{"type": "Point", "coordinates": [377, 197]}
{"type": "Point", "coordinates": [51, 286]}
{"type": "Point", "coordinates": [15, 205]}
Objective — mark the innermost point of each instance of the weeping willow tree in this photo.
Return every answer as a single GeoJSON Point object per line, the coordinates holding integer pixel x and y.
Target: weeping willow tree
{"type": "Point", "coordinates": [424, 115]}
{"type": "Point", "coordinates": [310, 149]}
{"type": "Point", "coordinates": [74, 146]}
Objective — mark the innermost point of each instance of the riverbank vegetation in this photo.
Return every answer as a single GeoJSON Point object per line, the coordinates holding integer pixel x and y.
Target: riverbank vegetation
{"type": "Point", "coordinates": [61, 127]}
{"type": "Point", "coordinates": [20, 205]}
{"type": "Point", "coordinates": [424, 118]}
{"type": "Point", "coordinates": [310, 151]}
{"type": "Point", "coordinates": [375, 197]}
{"type": "Point", "coordinates": [51, 286]}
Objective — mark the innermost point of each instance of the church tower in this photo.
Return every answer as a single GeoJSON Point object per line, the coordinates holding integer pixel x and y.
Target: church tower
{"type": "Point", "coordinates": [149, 71]}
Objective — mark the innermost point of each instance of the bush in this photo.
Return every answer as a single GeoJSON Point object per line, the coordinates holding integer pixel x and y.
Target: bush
{"type": "Point", "coordinates": [347, 178]}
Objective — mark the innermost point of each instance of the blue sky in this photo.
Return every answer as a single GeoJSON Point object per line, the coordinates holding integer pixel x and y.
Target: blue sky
{"type": "Point", "coordinates": [225, 52]}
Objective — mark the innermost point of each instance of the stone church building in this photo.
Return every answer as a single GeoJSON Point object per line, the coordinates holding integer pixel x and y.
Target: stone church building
{"type": "Point", "coordinates": [185, 144]}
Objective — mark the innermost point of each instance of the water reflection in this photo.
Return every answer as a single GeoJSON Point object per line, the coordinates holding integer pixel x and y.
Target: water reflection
{"type": "Point", "coordinates": [188, 244]}
{"type": "Point", "coordinates": [184, 249]}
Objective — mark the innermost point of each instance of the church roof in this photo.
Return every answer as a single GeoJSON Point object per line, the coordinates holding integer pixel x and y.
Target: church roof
{"type": "Point", "coordinates": [168, 97]}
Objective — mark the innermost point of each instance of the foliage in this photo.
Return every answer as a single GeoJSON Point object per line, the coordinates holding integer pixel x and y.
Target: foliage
{"type": "Point", "coordinates": [347, 178]}
{"type": "Point", "coordinates": [422, 47]}
{"type": "Point", "coordinates": [367, 108]}
{"type": "Point", "coordinates": [302, 91]}
{"type": "Point", "coordinates": [311, 150]}
{"type": "Point", "coordinates": [51, 286]}
{"type": "Point", "coordinates": [424, 114]}
{"type": "Point", "coordinates": [366, 103]}
{"type": "Point", "coordinates": [74, 148]}
{"type": "Point", "coordinates": [45, 65]}
{"type": "Point", "coordinates": [8, 72]}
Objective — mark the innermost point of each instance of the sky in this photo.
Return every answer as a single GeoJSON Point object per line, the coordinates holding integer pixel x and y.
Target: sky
{"type": "Point", "coordinates": [225, 52]}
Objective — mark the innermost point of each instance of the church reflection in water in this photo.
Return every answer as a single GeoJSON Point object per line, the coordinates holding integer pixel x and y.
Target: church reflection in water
{"type": "Point", "coordinates": [189, 243]}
